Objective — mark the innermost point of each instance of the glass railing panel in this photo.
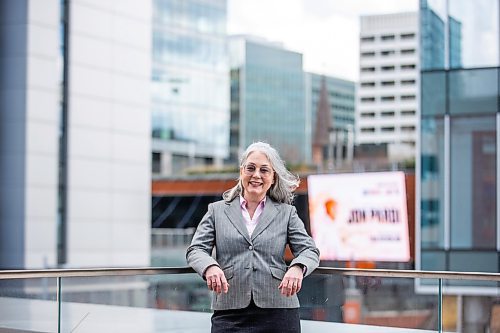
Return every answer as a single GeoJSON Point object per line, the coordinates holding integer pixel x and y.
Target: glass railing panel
{"type": "Point", "coordinates": [368, 304]}
{"type": "Point", "coordinates": [330, 302]}
{"type": "Point", "coordinates": [143, 303]}
{"type": "Point", "coordinates": [471, 306]}
{"type": "Point", "coordinates": [28, 305]}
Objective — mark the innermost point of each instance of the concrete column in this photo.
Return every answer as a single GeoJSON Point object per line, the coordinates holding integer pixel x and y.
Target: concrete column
{"type": "Point", "coordinates": [476, 313]}
{"type": "Point", "coordinates": [166, 164]}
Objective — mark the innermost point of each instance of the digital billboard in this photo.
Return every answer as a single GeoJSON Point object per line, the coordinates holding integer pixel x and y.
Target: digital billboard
{"type": "Point", "coordinates": [360, 217]}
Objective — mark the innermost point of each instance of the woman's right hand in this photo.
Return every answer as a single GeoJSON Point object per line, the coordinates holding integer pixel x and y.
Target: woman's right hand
{"type": "Point", "coordinates": [216, 280]}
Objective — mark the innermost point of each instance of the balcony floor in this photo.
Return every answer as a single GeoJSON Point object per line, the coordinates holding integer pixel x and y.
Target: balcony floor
{"type": "Point", "coordinates": [26, 315]}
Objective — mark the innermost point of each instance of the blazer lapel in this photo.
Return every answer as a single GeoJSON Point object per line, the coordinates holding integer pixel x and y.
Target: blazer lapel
{"type": "Point", "coordinates": [233, 212]}
{"type": "Point", "coordinates": [267, 216]}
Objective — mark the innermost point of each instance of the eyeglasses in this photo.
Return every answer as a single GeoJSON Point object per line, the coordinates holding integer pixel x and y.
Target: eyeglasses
{"type": "Point", "coordinates": [264, 171]}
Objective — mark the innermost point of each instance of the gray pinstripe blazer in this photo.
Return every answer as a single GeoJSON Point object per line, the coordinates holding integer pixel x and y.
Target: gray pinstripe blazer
{"type": "Point", "coordinates": [253, 266]}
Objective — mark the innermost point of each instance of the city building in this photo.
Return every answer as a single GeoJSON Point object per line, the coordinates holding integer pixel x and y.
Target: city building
{"type": "Point", "coordinates": [341, 111]}
{"type": "Point", "coordinates": [190, 74]}
{"type": "Point", "coordinates": [388, 92]}
{"type": "Point", "coordinates": [75, 124]}
{"type": "Point", "coordinates": [458, 165]}
{"type": "Point", "coordinates": [267, 98]}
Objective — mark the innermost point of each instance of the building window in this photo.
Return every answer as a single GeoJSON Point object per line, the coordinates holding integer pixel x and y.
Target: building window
{"type": "Point", "coordinates": [367, 129]}
{"type": "Point", "coordinates": [387, 129]}
{"type": "Point", "coordinates": [408, 51]}
{"type": "Point", "coordinates": [407, 112]}
{"type": "Point", "coordinates": [407, 97]}
{"type": "Point", "coordinates": [409, 128]}
{"type": "Point", "coordinates": [473, 202]}
{"type": "Point", "coordinates": [156, 162]}
{"type": "Point", "coordinates": [368, 39]}
{"type": "Point", "coordinates": [408, 142]}
{"type": "Point", "coordinates": [387, 98]}
{"type": "Point", "coordinates": [388, 37]}
{"type": "Point", "coordinates": [386, 53]}
{"type": "Point", "coordinates": [368, 69]}
{"type": "Point", "coordinates": [367, 54]}
{"type": "Point", "coordinates": [407, 66]}
{"type": "Point", "coordinates": [408, 36]}
{"type": "Point", "coordinates": [368, 84]}
{"type": "Point", "coordinates": [367, 99]}
{"type": "Point", "coordinates": [387, 113]}
{"type": "Point", "coordinates": [367, 114]}
{"type": "Point", "coordinates": [387, 68]}
{"type": "Point", "coordinates": [432, 178]}
{"type": "Point", "coordinates": [387, 83]}
{"type": "Point", "coordinates": [407, 82]}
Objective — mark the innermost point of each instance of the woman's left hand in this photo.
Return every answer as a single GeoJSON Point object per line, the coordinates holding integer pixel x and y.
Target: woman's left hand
{"type": "Point", "coordinates": [292, 281]}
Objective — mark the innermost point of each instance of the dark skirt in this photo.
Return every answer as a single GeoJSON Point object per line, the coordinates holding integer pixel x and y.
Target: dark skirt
{"type": "Point", "coordinates": [253, 319]}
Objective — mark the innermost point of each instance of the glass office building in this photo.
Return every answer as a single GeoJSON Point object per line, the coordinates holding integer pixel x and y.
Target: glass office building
{"type": "Point", "coordinates": [267, 98]}
{"type": "Point", "coordinates": [190, 102]}
{"type": "Point", "coordinates": [460, 120]}
{"type": "Point", "coordinates": [341, 96]}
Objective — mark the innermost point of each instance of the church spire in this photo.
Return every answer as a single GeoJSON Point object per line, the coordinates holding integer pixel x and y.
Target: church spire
{"type": "Point", "coordinates": [323, 125]}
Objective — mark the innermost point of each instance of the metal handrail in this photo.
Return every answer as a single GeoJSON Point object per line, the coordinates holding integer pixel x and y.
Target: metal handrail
{"type": "Point", "coordinates": [387, 273]}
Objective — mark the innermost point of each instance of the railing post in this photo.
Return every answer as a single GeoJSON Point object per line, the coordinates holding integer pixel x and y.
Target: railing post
{"type": "Point", "coordinates": [440, 306]}
{"type": "Point", "coordinates": [59, 301]}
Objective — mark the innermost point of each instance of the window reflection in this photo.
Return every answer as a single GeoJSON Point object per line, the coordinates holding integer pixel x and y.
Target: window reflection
{"type": "Point", "coordinates": [190, 109]}
{"type": "Point", "coordinates": [473, 91]}
{"type": "Point", "coordinates": [433, 93]}
{"type": "Point", "coordinates": [432, 182]}
{"type": "Point", "coordinates": [452, 32]}
{"type": "Point", "coordinates": [478, 24]}
{"type": "Point", "coordinates": [432, 34]}
{"type": "Point", "coordinates": [473, 182]}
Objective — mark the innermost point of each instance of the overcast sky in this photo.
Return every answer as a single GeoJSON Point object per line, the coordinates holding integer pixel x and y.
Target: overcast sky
{"type": "Point", "coordinates": [326, 32]}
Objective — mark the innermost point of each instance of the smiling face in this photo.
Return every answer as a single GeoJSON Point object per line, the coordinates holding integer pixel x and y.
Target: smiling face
{"type": "Point", "coordinates": [256, 176]}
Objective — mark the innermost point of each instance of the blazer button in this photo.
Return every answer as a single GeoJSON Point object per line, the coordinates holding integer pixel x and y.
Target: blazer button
{"type": "Point", "coordinates": [250, 247]}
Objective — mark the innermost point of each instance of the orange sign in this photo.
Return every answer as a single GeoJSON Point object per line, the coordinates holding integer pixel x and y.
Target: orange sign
{"type": "Point", "coordinates": [352, 311]}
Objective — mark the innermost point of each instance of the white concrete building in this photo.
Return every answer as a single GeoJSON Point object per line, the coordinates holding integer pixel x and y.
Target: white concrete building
{"type": "Point", "coordinates": [388, 92]}
{"type": "Point", "coordinates": [75, 189]}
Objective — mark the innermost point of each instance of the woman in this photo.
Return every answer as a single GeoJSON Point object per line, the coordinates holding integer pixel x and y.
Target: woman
{"type": "Point", "coordinates": [254, 289]}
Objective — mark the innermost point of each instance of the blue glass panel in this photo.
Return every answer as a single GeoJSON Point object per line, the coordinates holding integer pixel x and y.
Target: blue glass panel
{"type": "Point", "coordinates": [473, 182]}
{"type": "Point", "coordinates": [433, 93]}
{"type": "Point", "coordinates": [474, 91]}
{"type": "Point", "coordinates": [432, 34]}
{"type": "Point", "coordinates": [474, 39]}
{"type": "Point", "coordinates": [433, 261]}
{"type": "Point", "coordinates": [473, 261]}
{"type": "Point", "coordinates": [432, 183]}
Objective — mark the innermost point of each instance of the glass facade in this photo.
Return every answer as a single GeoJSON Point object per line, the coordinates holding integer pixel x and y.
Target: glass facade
{"type": "Point", "coordinates": [341, 95]}
{"type": "Point", "coordinates": [269, 105]}
{"type": "Point", "coordinates": [190, 79]}
{"type": "Point", "coordinates": [453, 31]}
{"type": "Point", "coordinates": [432, 36]}
{"type": "Point", "coordinates": [432, 183]}
{"type": "Point", "coordinates": [460, 106]}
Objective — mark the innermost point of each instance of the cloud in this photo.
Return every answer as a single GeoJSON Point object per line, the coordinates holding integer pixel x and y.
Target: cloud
{"type": "Point", "coordinates": [326, 32]}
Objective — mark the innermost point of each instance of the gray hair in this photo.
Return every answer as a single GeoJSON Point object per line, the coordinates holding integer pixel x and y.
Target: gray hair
{"type": "Point", "coordinates": [285, 182]}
